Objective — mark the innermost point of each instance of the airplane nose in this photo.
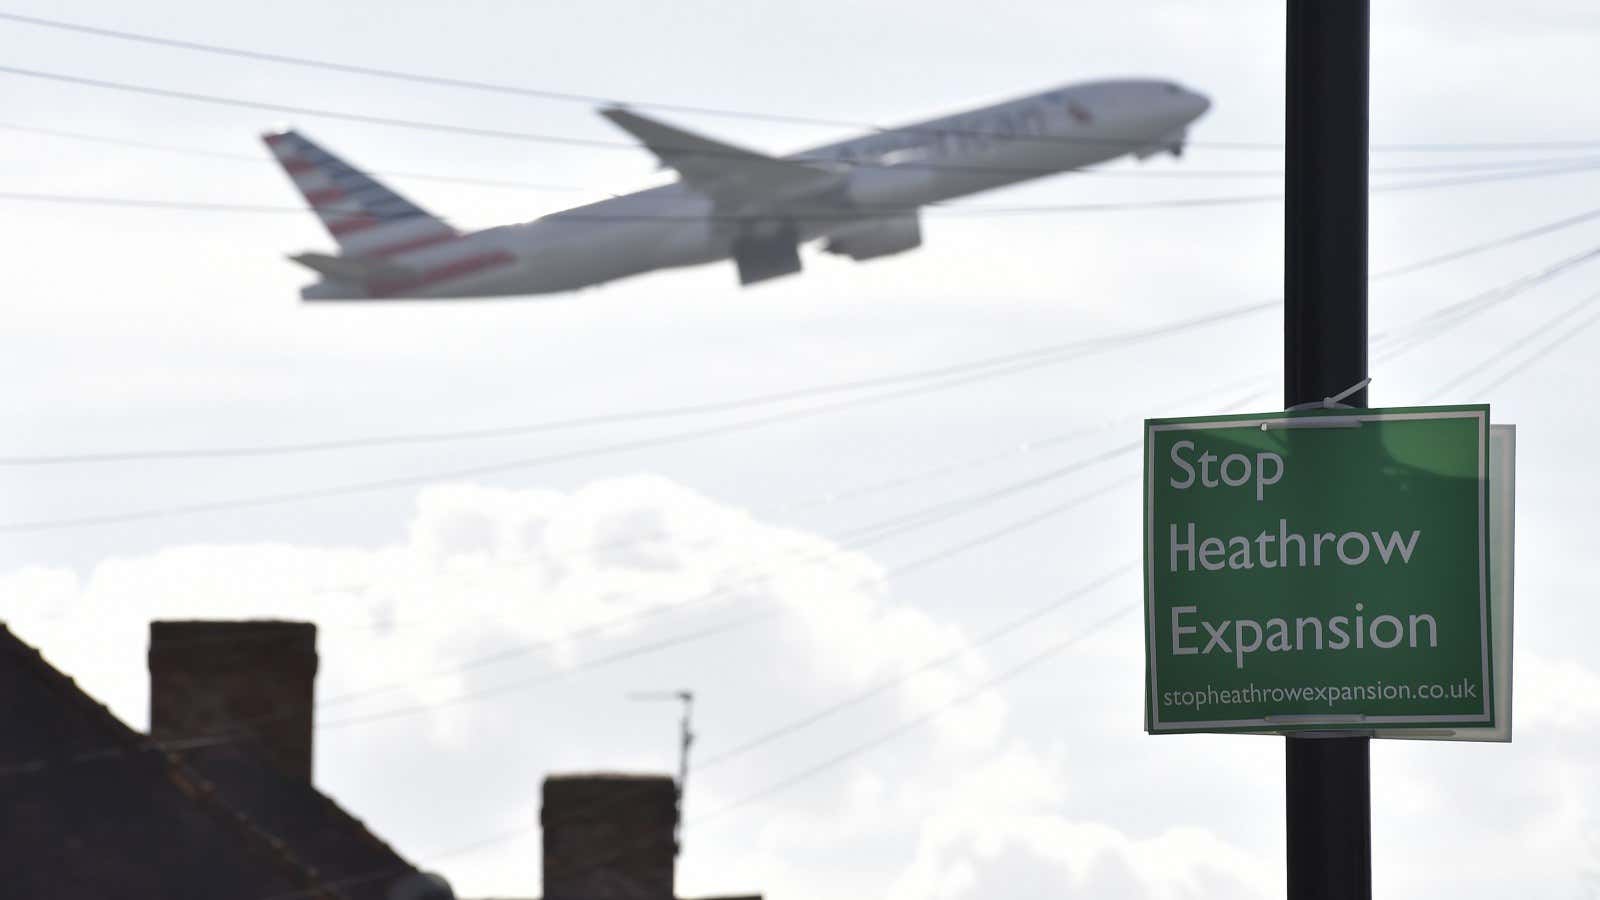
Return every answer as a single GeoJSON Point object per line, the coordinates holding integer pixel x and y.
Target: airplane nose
{"type": "Point", "coordinates": [1201, 102]}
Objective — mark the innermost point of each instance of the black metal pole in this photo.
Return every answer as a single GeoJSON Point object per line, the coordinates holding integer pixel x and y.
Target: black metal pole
{"type": "Point", "coordinates": [1327, 779]}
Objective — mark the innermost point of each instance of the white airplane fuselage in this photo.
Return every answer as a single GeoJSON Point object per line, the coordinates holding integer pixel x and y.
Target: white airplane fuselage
{"type": "Point", "coordinates": [866, 208]}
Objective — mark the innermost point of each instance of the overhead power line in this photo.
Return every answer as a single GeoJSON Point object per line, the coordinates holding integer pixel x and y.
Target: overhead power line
{"type": "Point", "coordinates": [1032, 661]}
{"type": "Point", "coordinates": [905, 727]}
{"type": "Point", "coordinates": [1187, 172]}
{"type": "Point", "coordinates": [819, 216]}
{"type": "Point", "coordinates": [1019, 450]}
{"type": "Point", "coordinates": [1017, 363]}
{"type": "Point", "coordinates": [899, 730]}
{"type": "Point", "coordinates": [38, 765]}
{"type": "Point", "coordinates": [418, 77]}
{"type": "Point", "coordinates": [960, 210]}
{"type": "Point", "coordinates": [1505, 351]}
{"type": "Point", "coordinates": [1407, 338]}
{"type": "Point", "coordinates": [967, 210]}
{"type": "Point", "coordinates": [695, 636]}
{"type": "Point", "coordinates": [1494, 244]}
{"type": "Point", "coordinates": [596, 99]}
{"type": "Point", "coordinates": [1540, 354]}
{"type": "Point", "coordinates": [34, 766]}
{"type": "Point", "coordinates": [854, 541]}
{"type": "Point", "coordinates": [263, 161]}
{"type": "Point", "coordinates": [830, 762]}
{"type": "Point", "coordinates": [881, 528]}
{"type": "Point", "coordinates": [633, 416]}
{"type": "Point", "coordinates": [797, 725]}
{"type": "Point", "coordinates": [866, 535]}
{"type": "Point", "coordinates": [535, 137]}
{"type": "Point", "coordinates": [1437, 322]}
{"type": "Point", "coordinates": [938, 556]}
{"type": "Point", "coordinates": [152, 203]}
{"type": "Point", "coordinates": [909, 725]}
{"type": "Point", "coordinates": [916, 722]}
{"type": "Point", "coordinates": [656, 414]}
{"type": "Point", "coordinates": [1469, 307]}
{"type": "Point", "coordinates": [525, 136]}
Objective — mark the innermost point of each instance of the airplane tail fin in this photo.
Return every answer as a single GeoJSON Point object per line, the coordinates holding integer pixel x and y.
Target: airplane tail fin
{"type": "Point", "coordinates": [364, 217]}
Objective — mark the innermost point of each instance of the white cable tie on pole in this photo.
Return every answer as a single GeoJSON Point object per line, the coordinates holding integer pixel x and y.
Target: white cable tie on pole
{"type": "Point", "coordinates": [1334, 402]}
{"type": "Point", "coordinates": [1339, 398]}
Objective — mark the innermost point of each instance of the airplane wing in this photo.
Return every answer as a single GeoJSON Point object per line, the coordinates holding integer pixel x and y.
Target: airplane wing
{"type": "Point", "coordinates": [718, 168]}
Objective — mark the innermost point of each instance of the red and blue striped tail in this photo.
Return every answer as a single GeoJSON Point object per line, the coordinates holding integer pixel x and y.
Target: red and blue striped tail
{"type": "Point", "coordinates": [364, 217]}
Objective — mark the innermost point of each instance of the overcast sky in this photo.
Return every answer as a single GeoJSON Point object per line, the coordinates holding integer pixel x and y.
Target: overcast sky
{"type": "Point", "coordinates": [132, 329]}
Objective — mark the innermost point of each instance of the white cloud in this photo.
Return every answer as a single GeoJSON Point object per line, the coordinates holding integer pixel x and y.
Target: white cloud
{"type": "Point", "coordinates": [482, 565]}
{"type": "Point", "coordinates": [482, 571]}
{"type": "Point", "coordinates": [1007, 828]}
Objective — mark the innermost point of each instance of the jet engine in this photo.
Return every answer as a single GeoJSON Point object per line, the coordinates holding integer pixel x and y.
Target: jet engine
{"type": "Point", "coordinates": [766, 253]}
{"type": "Point", "coordinates": [872, 238]}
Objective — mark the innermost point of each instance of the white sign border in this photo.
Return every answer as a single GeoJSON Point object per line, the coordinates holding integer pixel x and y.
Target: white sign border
{"type": "Point", "coordinates": [1344, 721]}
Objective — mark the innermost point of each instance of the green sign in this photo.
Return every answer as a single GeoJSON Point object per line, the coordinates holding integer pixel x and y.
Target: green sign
{"type": "Point", "coordinates": [1325, 569]}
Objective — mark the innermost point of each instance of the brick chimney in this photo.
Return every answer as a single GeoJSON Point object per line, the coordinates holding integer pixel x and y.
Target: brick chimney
{"type": "Point", "coordinates": [210, 678]}
{"type": "Point", "coordinates": [609, 837]}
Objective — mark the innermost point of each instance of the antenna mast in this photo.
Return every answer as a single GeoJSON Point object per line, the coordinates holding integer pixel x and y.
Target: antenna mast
{"type": "Point", "coordinates": [685, 741]}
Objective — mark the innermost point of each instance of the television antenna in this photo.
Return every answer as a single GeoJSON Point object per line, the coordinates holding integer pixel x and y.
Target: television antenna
{"type": "Point", "coordinates": [685, 741]}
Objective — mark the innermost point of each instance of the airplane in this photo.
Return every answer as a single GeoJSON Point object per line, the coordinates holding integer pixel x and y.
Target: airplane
{"type": "Point", "coordinates": [860, 197]}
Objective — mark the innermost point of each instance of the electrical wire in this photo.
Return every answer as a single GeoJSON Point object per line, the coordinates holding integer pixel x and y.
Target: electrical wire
{"type": "Point", "coordinates": [880, 528]}
{"type": "Point", "coordinates": [876, 530]}
{"type": "Point", "coordinates": [587, 99]}
{"type": "Point", "coordinates": [1540, 354]}
{"type": "Point", "coordinates": [1186, 172]}
{"type": "Point", "coordinates": [595, 99]}
{"type": "Point", "coordinates": [1505, 351]}
{"type": "Point", "coordinates": [821, 158]}
{"type": "Point", "coordinates": [919, 721]}
{"type": "Point", "coordinates": [263, 162]}
{"type": "Point", "coordinates": [962, 548]}
{"type": "Point", "coordinates": [909, 725]}
{"type": "Point", "coordinates": [898, 730]}
{"type": "Point", "coordinates": [1067, 349]}
{"type": "Point", "coordinates": [960, 210]}
{"type": "Point", "coordinates": [35, 766]}
{"type": "Point", "coordinates": [927, 515]}
{"type": "Point", "coordinates": [715, 630]}
{"type": "Point", "coordinates": [905, 727]}
{"type": "Point", "coordinates": [1450, 317]}
{"type": "Point", "coordinates": [915, 519]}
{"type": "Point", "coordinates": [948, 552]}
{"type": "Point", "coordinates": [695, 409]}
{"type": "Point", "coordinates": [262, 500]}
{"type": "Point", "coordinates": [794, 726]}
{"type": "Point", "coordinates": [855, 541]}
{"type": "Point", "coordinates": [1437, 322]}
{"type": "Point", "coordinates": [1495, 244]}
